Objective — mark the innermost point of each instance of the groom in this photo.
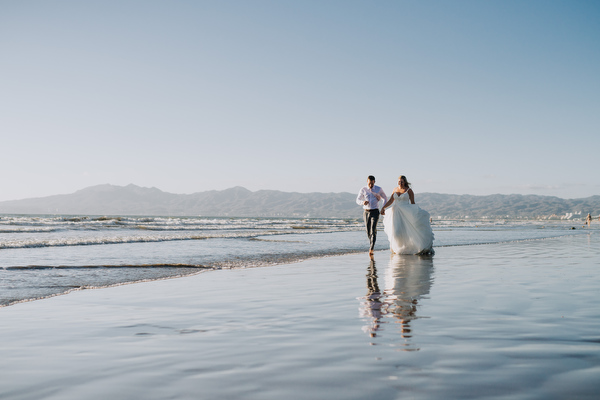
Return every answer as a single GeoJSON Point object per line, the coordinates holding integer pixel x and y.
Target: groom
{"type": "Point", "coordinates": [369, 197]}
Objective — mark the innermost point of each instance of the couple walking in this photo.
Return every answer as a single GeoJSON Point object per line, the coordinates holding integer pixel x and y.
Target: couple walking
{"type": "Point", "coordinates": [406, 224]}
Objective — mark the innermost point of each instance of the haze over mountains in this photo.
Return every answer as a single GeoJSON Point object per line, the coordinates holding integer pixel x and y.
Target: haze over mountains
{"type": "Point", "coordinates": [240, 202]}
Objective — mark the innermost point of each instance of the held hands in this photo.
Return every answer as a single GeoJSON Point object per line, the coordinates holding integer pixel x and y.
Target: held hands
{"type": "Point", "coordinates": [382, 211]}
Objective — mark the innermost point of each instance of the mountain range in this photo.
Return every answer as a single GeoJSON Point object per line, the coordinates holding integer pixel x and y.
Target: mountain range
{"type": "Point", "coordinates": [240, 202]}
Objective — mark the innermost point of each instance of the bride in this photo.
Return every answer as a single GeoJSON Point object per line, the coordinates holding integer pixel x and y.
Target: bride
{"type": "Point", "coordinates": [407, 225]}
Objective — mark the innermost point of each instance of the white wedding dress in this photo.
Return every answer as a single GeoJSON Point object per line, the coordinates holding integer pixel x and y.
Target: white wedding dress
{"type": "Point", "coordinates": [407, 227]}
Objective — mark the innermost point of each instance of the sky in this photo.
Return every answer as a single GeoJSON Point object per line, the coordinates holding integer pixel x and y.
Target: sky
{"type": "Point", "coordinates": [462, 97]}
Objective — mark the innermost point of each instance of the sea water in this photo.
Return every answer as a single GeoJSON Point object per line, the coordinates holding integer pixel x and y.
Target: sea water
{"type": "Point", "coordinates": [47, 255]}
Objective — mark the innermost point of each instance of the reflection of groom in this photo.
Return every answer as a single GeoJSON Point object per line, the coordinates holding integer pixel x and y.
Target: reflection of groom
{"type": "Point", "coordinates": [371, 307]}
{"type": "Point", "coordinates": [369, 197]}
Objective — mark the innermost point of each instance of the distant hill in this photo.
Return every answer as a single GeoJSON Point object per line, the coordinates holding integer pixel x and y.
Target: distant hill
{"type": "Point", "coordinates": [241, 202]}
{"type": "Point", "coordinates": [510, 206]}
{"type": "Point", "coordinates": [235, 202]}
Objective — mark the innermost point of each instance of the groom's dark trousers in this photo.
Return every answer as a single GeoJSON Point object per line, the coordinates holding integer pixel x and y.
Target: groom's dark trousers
{"type": "Point", "coordinates": [371, 218]}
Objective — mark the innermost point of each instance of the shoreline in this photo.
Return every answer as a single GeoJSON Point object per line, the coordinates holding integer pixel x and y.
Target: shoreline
{"type": "Point", "coordinates": [240, 264]}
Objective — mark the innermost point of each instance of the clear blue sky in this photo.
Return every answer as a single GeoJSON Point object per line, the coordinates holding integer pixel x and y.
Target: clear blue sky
{"type": "Point", "coordinates": [465, 97]}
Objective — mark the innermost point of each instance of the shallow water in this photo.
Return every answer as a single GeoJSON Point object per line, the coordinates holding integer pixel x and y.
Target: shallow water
{"type": "Point", "coordinates": [511, 320]}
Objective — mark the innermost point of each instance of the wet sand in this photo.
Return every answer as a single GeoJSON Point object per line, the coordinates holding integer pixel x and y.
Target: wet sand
{"type": "Point", "coordinates": [514, 320]}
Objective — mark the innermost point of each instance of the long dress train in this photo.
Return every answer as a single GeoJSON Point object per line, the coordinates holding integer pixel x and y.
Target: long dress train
{"type": "Point", "coordinates": [407, 227]}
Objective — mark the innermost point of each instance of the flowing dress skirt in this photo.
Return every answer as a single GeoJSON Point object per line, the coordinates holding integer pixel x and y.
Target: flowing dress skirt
{"type": "Point", "coordinates": [407, 227]}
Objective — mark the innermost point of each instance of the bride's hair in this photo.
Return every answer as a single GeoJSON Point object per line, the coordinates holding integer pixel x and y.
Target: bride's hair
{"type": "Point", "coordinates": [406, 182]}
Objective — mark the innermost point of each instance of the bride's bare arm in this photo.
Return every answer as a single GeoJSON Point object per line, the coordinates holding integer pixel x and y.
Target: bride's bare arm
{"type": "Point", "coordinates": [411, 196]}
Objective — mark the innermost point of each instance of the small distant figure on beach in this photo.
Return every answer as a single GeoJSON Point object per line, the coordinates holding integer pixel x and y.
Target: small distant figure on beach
{"type": "Point", "coordinates": [588, 220]}
{"type": "Point", "coordinates": [369, 197]}
{"type": "Point", "coordinates": [407, 225]}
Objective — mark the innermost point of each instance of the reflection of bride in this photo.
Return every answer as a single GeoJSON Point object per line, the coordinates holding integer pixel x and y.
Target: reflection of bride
{"type": "Point", "coordinates": [406, 224]}
{"type": "Point", "coordinates": [407, 280]}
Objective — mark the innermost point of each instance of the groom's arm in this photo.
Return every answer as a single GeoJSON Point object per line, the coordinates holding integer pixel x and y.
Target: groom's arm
{"type": "Point", "coordinates": [360, 199]}
{"type": "Point", "coordinates": [383, 196]}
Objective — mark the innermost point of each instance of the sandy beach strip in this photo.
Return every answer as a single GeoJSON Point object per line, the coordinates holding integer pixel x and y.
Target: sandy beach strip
{"type": "Point", "coordinates": [516, 320]}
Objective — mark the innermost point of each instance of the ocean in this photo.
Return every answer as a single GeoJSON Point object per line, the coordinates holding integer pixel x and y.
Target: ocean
{"type": "Point", "coordinates": [48, 255]}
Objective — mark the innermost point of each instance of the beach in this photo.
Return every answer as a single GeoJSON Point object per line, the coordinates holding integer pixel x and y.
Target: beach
{"type": "Point", "coordinates": [518, 320]}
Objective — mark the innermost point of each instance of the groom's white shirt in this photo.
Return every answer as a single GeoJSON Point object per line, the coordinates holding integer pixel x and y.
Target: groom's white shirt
{"type": "Point", "coordinates": [370, 195]}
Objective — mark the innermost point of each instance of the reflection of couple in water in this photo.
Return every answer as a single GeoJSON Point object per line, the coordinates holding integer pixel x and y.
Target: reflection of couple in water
{"type": "Point", "coordinates": [407, 280]}
{"type": "Point", "coordinates": [408, 276]}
